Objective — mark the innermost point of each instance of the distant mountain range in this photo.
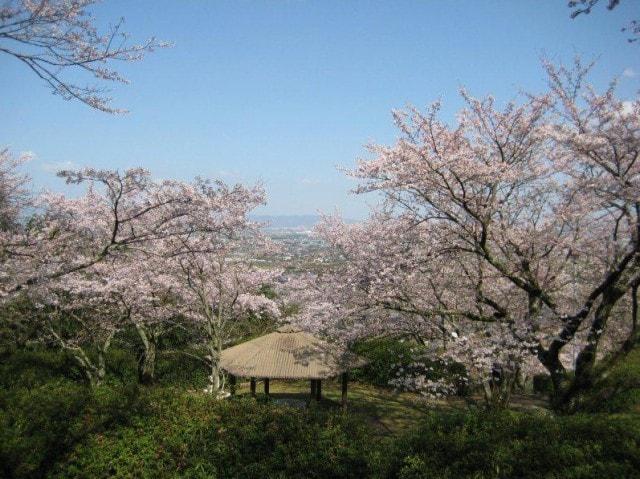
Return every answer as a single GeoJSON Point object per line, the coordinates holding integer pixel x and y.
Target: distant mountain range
{"type": "Point", "coordinates": [294, 222]}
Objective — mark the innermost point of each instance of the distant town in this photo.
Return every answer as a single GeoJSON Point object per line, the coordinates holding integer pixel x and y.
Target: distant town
{"type": "Point", "coordinates": [299, 248]}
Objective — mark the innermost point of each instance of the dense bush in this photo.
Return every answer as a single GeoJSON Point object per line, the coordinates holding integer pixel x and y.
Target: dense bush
{"type": "Point", "coordinates": [52, 425]}
{"type": "Point", "coordinates": [508, 445]}
{"type": "Point", "coordinates": [616, 389]}
{"type": "Point", "coordinates": [397, 363]}
{"type": "Point", "coordinates": [197, 436]}
{"type": "Point", "coordinates": [385, 355]}
{"type": "Point", "coordinates": [181, 370]}
{"type": "Point", "coordinates": [30, 368]}
{"type": "Point", "coordinates": [40, 424]}
{"type": "Point", "coordinates": [172, 366]}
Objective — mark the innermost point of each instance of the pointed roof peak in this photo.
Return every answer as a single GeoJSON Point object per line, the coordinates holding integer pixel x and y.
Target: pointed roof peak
{"type": "Point", "coordinates": [289, 328]}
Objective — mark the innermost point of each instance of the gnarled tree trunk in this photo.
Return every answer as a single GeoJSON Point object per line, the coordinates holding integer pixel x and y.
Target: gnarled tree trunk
{"type": "Point", "coordinates": [147, 361]}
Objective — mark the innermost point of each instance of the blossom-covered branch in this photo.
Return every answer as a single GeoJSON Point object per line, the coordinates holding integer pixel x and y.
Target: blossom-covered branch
{"type": "Point", "coordinates": [56, 38]}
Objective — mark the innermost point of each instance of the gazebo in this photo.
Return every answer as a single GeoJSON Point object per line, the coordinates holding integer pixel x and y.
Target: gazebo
{"type": "Point", "coordinates": [290, 353]}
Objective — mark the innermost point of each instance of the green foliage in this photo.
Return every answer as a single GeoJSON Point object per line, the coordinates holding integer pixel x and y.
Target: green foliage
{"type": "Point", "coordinates": [507, 445]}
{"type": "Point", "coordinates": [40, 424]}
{"type": "Point", "coordinates": [385, 356]}
{"type": "Point", "coordinates": [37, 426]}
{"type": "Point", "coordinates": [198, 436]}
{"type": "Point", "coordinates": [390, 357]}
{"type": "Point", "coordinates": [31, 368]}
{"type": "Point", "coordinates": [17, 324]}
{"type": "Point", "coordinates": [616, 389]}
{"type": "Point", "coordinates": [121, 366]}
{"type": "Point", "coordinates": [181, 370]}
{"type": "Point", "coordinates": [52, 425]}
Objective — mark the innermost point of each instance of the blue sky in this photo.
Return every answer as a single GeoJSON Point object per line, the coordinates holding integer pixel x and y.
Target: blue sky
{"type": "Point", "coordinates": [282, 92]}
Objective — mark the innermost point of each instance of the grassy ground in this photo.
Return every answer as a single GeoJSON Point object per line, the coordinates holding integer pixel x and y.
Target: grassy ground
{"type": "Point", "coordinates": [390, 412]}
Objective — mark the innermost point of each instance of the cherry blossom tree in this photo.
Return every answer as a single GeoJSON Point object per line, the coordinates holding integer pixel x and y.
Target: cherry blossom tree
{"type": "Point", "coordinates": [525, 216]}
{"type": "Point", "coordinates": [119, 212]}
{"type": "Point", "coordinates": [217, 215]}
{"type": "Point", "coordinates": [220, 291]}
{"type": "Point", "coordinates": [58, 39]}
{"type": "Point", "coordinates": [82, 314]}
{"type": "Point", "coordinates": [116, 244]}
{"type": "Point", "coordinates": [147, 294]}
{"type": "Point", "coordinates": [155, 312]}
{"type": "Point", "coordinates": [15, 198]}
{"type": "Point", "coordinates": [397, 280]}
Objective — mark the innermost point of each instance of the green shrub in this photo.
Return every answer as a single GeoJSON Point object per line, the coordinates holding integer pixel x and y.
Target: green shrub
{"type": "Point", "coordinates": [198, 436]}
{"type": "Point", "coordinates": [391, 359]}
{"type": "Point", "coordinates": [39, 425]}
{"type": "Point", "coordinates": [33, 367]}
{"type": "Point", "coordinates": [385, 355]}
{"type": "Point", "coordinates": [181, 370]}
{"type": "Point", "coordinates": [509, 445]}
{"type": "Point", "coordinates": [617, 388]}
{"type": "Point", "coordinates": [121, 366]}
{"type": "Point", "coordinates": [52, 425]}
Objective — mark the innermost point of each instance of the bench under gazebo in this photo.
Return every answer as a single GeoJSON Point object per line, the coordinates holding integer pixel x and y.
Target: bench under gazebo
{"type": "Point", "coordinates": [290, 353]}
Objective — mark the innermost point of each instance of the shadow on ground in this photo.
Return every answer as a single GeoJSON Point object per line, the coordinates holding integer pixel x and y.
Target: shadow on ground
{"type": "Point", "coordinates": [388, 411]}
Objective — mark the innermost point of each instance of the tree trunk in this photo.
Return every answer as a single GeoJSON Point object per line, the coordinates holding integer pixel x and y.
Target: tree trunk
{"type": "Point", "coordinates": [101, 368]}
{"type": "Point", "coordinates": [634, 308]}
{"type": "Point", "coordinates": [94, 372]}
{"type": "Point", "coordinates": [570, 389]}
{"type": "Point", "coordinates": [215, 384]}
{"type": "Point", "coordinates": [586, 360]}
{"type": "Point", "coordinates": [488, 393]}
{"type": "Point", "coordinates": [215, 378]}
{"type": "Point", "coordinates": [147, 364]}
{"type": "Point", "coordinates": [87, 368]}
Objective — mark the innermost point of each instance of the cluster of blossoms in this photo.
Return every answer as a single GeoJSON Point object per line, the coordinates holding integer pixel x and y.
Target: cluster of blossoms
{"type": "Point", "coordinates": [432, 378]}
{"type": "Point", "coordinates": [58, 41]}
{"type": "Point", "coordinates": [516, 229]}
{"type": "Point", "coordinates": [156, 255]}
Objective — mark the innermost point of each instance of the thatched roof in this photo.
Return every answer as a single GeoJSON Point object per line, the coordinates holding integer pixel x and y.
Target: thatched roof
{"type": "Point", "coordinates": [288, 353]}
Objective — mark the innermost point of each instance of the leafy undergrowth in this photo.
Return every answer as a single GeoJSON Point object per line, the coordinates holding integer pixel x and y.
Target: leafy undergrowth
{"type": "Point", "coordinates": [476, 444]}
{"type": "Point", "coordinates": [53, 426]}
{"type": "Point", "coordinates": [39, 425]}
{"type": "Point", "coordinates": [194, 435]}
{"type": "Point", "coordinates": [388, 411]}
{"type": "Point", "coordinates": [617, 389]}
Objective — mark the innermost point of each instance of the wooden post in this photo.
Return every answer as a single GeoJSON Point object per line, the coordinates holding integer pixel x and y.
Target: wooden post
{"type": "Point", "coordinates": [253, 387]}
{"type": "Point", "coordinates": [344, 391]}
{"type": "Point", "coordinates": [318, 389]}
{"type": "Point", "coordinates": [232, 384]}
{"type": "Point", "coordinates": [313, 388]}
{"type": "Point", "coordinates": [266, 386]}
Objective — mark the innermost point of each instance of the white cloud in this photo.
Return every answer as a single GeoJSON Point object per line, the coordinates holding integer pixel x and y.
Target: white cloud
{"type": "Point", "coordinates": [629, 73]}
{"type": "Point", "coordinates": [58, 166]}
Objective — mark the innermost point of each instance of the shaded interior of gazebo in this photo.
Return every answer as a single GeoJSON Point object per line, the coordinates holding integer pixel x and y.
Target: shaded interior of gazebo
{"type": "Point", "coordinates": [290, 354]}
